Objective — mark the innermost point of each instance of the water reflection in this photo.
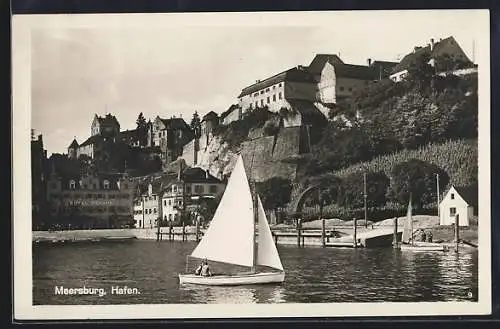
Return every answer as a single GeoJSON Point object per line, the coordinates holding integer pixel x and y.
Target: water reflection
{"type": "Point", "coordinates": [313, 275]}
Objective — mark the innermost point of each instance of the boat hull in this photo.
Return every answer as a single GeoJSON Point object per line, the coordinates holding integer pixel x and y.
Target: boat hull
{"type": "Point", "coordinates": [233, 280]}
{"type": "Point", "coordinates": [423, 247]}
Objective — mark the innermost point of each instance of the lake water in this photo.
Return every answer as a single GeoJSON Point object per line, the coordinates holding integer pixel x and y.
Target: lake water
{"type": "Point", "coordinates": [313, 275]}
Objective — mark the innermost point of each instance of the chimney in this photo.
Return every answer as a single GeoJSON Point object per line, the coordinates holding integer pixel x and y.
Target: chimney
{"type": "Point", "coordinates": [369, 61]}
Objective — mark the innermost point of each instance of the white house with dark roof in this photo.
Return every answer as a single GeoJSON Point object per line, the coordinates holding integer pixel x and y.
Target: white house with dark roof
{"type": "Point", "coordinates": [444, 48]}
{"type": "Point", "coordinates": [461, 201]}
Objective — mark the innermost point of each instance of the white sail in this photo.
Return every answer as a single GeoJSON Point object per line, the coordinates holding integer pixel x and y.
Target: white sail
{"type": "Point", "coordinates": [267, 254]}
{"type": "Point", "coordinates": [407, 228]}
{"type": "Point", "coordinates": [230, 236]}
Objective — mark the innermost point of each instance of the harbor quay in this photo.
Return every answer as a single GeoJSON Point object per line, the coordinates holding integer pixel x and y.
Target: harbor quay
{"type": "Point", "coordinates": [373, 235]}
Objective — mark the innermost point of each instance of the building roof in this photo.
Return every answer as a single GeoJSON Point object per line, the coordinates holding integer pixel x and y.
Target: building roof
{"type": "Point", "coordinates": [296, 74]}
{"type": "Point", "coordinates": [383, 68]}
{"type": "Point", "coordinates": [469, 194]}
{"type": "Point", "coordinates": [411, 58]}
{"type": "Point", "coordinates": [210, 114]}
{"type": "Point", "coordinates": [175, 123]}
{"type": "Point", "coordinates": [342, 69]}
{"type": "Point", "coordinates": [128, 134]}
{"type": "Point", "coordinates": [198, 175]}
{"type": "Point", "coordinates": [108, 119]}
{"type": "Point", "coordinates": [320, 60]}
{"type": "Point", "coordinates": [92, 140]}
{"type": "Point", "coordinates": [228, 111]}
{"type": "Point", "coordinates": [74, 144]}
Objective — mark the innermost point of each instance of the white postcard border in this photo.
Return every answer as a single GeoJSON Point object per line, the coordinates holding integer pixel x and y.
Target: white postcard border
{"type": "Point", "coordinates": [21, 121]}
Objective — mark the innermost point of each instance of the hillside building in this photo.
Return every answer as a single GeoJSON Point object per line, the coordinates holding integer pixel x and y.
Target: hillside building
{"type": "Point", "coordinates": [147, 206]}
{"type": "Point", "coordinates": [169, 136]}
{"type": "Point", "coordinates": [38, 180]}
{"type": "Point", "coordinates": [443, 49]}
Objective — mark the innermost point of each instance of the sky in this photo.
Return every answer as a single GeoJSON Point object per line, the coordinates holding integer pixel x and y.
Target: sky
{"type": "Point", "coordinates": [77, 72]}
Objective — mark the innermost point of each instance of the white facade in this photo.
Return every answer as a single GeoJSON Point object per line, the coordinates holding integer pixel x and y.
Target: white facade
{"type": "Point", "coordinates": [147, 209]}
{"type": "Point", "coordinates": [270, 96]}
{"type": "Point", "coordinates": [399, 76]}
{"type": "Point", "coordinates": [172, 200]}
{"type": "Point", "coordinates": [454, 204]}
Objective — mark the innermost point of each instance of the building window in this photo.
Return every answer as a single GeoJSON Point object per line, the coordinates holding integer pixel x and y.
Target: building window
{"type": "Point", "coordinates": [279, 85]}
{"type": "Point", "coordinates": [174, 188]}
{"type": "Point", "coordinates": [274, 98]}
{"type": "Point", "coordinates": [453, 211]}
{"type": "Point", "coordinates": [213, 188]}
{"type": "Point", "coordinates": [279, 95]}
{"type": "Point", "coordinates": [164, 202]}
{"type": "Point", "coordinates": [251, 106]}
{"type": "Point", "coordinates": [169, 216]}
{"type": "Point", "coordinates": [268, 101]}
{"type": "Point", "coordinates": [154, 210]}
{"type": "Point", "coordinates": [169, 202]}
{"type": "Point", "coordinates": [350, 89]}
{"type": "Point", "coordinates": [256, 104]}
{"type": "Point", "coordinates": [262, 102]}
{"type": "Point", "coordinates": [341, 88]}
{"type": "Point", "coordinates": [198, 189]}
{"type": "Point", "coordinates": [267, 90]}
{"type": "Point", "coordinates": [72, 184]}
{"type": "Point", "coordinates": [106, 184]}
{"type": "Point", "coordinates": [274, 87]}
{"type": "Point", "coordinates": [261, 92]}
{"type": "Point", "coordinates": [453, 196]}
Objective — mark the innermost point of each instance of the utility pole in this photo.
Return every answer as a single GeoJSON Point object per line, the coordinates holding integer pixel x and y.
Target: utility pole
{"type": "Point", "coordinates": [438, 196]}
{"type": "Point", "coordinates": [365, 196]}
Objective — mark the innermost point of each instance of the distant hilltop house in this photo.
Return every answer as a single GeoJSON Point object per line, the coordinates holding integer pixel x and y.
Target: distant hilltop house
{"type": "Point", "coordinates": [101, 129]}
{"type": "Point", "coordinates": [169, 136]}
{"type": "Point", "coordinates": [447, 48]}
{"type": "Point", "coordinates": [327, 80]}
{"type": "Point", "coordinates": [461, 201]}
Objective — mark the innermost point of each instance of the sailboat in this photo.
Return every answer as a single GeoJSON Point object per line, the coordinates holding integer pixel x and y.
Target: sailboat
{"type": "Point", "coordinates": [408, 241]}
{"type": "Point", "coordinates": [231, 237]}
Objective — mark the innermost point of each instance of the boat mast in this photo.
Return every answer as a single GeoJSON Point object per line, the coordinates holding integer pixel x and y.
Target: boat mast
{"type": "Point", "coordinates": [411, 220]}
{"type": "Point", "coordinates": [255, 217]}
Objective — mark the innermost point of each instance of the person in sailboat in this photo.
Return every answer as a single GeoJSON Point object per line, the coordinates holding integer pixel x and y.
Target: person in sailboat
{"type": "Point", "coordinates": [198, 269]}
{"type": "Point", "coordinates": [205, 269]}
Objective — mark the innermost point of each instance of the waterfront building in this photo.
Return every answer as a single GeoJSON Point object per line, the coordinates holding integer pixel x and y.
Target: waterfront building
{"type": "Point", "coordinates": [147, 206]}
{"type": "Point", "coordinates": [461, 201]}
{"type": "Point", "coordinates": [189, 187]}
{"type": "Point", "coordinates": [99, 200]}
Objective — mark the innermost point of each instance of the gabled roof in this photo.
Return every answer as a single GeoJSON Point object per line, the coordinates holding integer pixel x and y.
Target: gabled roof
{"type": "Point", "coordinates": [198, 175]}
{"type": "Point", "coordinates": [108, 119]}
{"type": "Point", "coordinates": [175, 123]}
{"type": "Point", "coordinates": [342, 69]}
{"type": "Point", "coordinates": [228, 111]}
{"type": "Point", "coordinates": [411, 58]}
{"type": "Point", "coordinates": [74, 144]}
{"type": "Point", "coordinates": [320, 60]}
{"type": "Point", "coordinates": [92, 140]}
{"type": "Point", "coordinates": [296, 74]}
{"type": "Point", "coordinates": [469, 194]}
{"type": "Point", "coordinates": [210, 114]}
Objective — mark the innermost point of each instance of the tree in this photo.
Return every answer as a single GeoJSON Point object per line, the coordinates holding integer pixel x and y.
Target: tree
{"type": "Point", "coordinates": [418, 178]}
{"type": "Point", "coordinates": [196, 124]}
{"type": "Point", "coordinates": [275, 192]}
{"type": "Point", "coordinates": [142, 129]}
{"type": "Point", "coordinates": [352, 190]}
